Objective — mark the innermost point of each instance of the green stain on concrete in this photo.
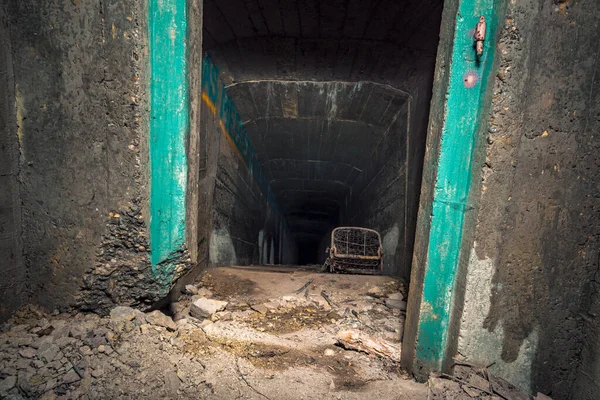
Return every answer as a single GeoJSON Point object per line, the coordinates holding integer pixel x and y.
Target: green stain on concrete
{"type": "Point", "coordinates": [169, 127]}
{"type": "Point", "coordinates": [454, 173]}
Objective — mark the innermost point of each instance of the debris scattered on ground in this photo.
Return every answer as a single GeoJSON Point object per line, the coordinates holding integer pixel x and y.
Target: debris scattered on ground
{"type": "Point", "coordinates": [205, 308]}
{"type": "Point", "coordinates": [233, 334]}
{"type": "Point", "coordinates": [472, 382]}
{"type": "Point", "coordinates": [158, 318]}
{"type": "Point", "coordinates": [354, 340]}
{"type": "Point", "coordinates": [306, 285]}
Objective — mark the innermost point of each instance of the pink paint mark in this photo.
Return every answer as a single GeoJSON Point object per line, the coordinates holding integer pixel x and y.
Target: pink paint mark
{"type": "Point", "coordinates": [470, 79]}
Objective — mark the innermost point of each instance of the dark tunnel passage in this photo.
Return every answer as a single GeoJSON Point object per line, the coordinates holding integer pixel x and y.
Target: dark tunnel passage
{"type": "Point", "coordinates": [334, 97]}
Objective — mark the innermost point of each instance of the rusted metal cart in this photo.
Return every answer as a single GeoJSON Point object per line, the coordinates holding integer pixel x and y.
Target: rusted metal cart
{"type": "Point", "coordinates": [354, 250]}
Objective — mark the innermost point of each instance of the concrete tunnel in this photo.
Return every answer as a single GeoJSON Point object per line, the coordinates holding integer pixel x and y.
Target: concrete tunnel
{"type": "Point", "coordinates": [145, 145]}
{"type": "Point", "coordinates": [334, 101]}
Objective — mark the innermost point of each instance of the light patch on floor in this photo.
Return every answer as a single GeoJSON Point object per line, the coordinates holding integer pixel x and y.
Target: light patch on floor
{"type": "Point", "coordinates": [477, 343]}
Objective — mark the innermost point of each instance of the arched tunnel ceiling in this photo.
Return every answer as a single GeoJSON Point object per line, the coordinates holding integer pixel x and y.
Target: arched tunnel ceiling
{"type": "Point", "coordinates": [313, 140]}
{"type": "Point", "coordinates": [386, 41]}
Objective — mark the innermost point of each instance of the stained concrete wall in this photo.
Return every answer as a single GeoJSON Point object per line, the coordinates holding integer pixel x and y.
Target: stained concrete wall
{"type": "Point", "coordinates": [13, 285]}
{"type": "Point", "coordinates": [531, 295]}
{"type": "Point", "coordinates": [245, 224]}
{"type": "Point", "coordinates": [79, 83]}
{"type": "Point", "coordinates": [379, 198]}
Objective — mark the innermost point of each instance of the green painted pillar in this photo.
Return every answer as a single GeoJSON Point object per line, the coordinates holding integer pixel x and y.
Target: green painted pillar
{"type": "Point", "coordinates": [169, 128]}
{"type": "Point", "coordinates": [458, 113]}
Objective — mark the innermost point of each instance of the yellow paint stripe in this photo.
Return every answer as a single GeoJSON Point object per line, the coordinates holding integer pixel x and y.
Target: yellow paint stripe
{"type": "Point", "coordinates": [213, 109]}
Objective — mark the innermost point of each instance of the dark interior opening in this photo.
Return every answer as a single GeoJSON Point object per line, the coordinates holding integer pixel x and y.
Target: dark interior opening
{"type": "Point", "coordinates": [308, 252]}
{"type": "Point", "coordinates": [334, 97]}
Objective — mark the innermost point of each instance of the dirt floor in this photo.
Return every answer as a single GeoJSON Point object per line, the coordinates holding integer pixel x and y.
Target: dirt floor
{"type": "Point", "coordinates": [266, 333]}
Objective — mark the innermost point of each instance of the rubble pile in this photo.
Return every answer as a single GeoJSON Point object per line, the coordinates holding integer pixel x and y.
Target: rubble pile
{"type": "Point", "coordinates": [333, 338]}
{"type": "Point", "coordinates": [164, 353]}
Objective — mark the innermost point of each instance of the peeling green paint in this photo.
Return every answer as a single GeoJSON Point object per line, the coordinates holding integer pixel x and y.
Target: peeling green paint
{"type": "Point", "coordinates": [169, 127]}
{"type": "Point", "coordinates": [464, 101]}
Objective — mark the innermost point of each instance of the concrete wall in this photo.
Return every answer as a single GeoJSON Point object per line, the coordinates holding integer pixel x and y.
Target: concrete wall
{"type": "Point", "coordinates": [378, 199]}
{"type": "Point", "coordinates": [79, 81]}
{"type": "Point", "coordinates": [13, 285]}
{"type": "Point", "coordinates": [245, 223]}
{"type": "Point", "coordinates": [531, 296]}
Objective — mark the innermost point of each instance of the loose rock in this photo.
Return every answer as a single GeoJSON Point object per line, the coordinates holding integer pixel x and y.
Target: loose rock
{"type": "Point", "coordinates": [191, 289]}
{"type": "Point", "coordinates": [396, 296]}
{"type": "Point", "coordinates": [204, 308]}
{"type": "Point", "coordinates": [160, 319]}
{"type": "Point", "coordinates": [397, 304]}
{"type": "Point", "coordinates": [8, 383]}
{"type": "Point", "coordinates": [122, 313]}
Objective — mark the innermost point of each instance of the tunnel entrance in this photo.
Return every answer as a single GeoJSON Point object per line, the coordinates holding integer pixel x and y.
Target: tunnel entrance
{"type": "Point", "coordinates": [332, 99]}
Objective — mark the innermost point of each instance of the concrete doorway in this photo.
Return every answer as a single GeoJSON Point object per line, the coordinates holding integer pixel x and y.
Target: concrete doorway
{"type": "Point", "coordinates": [330, 104]}
{"type": "Point", "coordinates": [314, 116]}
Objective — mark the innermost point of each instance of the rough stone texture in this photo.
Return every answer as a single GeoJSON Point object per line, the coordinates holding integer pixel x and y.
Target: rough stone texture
{"type": "Point", "coordinates": [13, 289]}
{"type": "Point", "coordinates": [538, 226]}
{"type": "Point", "coordinates": [79, 75]}
{"type": "Point", "coordinates": [158, 318]}
{"type": "Point", "coordinates": [391, 43]}
{"type": "Point", "coordinates": [204, 308]}
{"type": "Point", "coordinates": [122, 273]}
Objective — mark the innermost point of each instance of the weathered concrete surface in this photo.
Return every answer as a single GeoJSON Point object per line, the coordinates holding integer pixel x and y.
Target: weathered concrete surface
{"type": "Point", "coordinates": [194, 242]}
{"type": "Point", "coordinates": [538, 223]}
{"type": "Point", "coordinates": [79, 73]}
{"type": "Point", "coordinates": [245, 224]}
{"type": "Point", "coordinates": [13, 289]}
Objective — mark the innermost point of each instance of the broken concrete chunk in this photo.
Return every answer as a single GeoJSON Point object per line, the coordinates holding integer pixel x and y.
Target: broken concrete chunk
{"type": "Point", "coordinates": [204, 292]}
{"type": "Point", "coordinates": [191, 289]}
{"type": "Point", "coordinates": [479, 382]}
{"type": "Point", "coordinates": [71, 377]}
{"type": "Point", "coordinates": [542, 396]}
{"type": "Point", "coordinates": [260, 308]}
{"type": "Point", "coordinates": [8, 383]}
{"type": "Point", "coordinates": [396, 304]}
{"type": "Point", "coordinates": [375, 291]}
{"type": "Point", "coordinates": [160, 319]}
{"type": "Point", "coordinates": [27, 352]}
{"type": "Point", "coordinates": [49, 352]}
{"type": "Point", "coordinates": [204, 308]}
{"type": "Point", "coordinates": [396, 296]}
{"type": "Point", "coordinates": [122, 313]}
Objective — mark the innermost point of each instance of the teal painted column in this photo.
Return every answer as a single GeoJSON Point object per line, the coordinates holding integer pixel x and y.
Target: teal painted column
{"type": "Point", "coordinates": [169, 127]}
{"type": "Point", "coordinates": [454, 170]}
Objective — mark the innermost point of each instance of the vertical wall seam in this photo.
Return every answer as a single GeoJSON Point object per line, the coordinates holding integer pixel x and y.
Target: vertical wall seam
{"type": "Point", "coordinates": [465, 98]}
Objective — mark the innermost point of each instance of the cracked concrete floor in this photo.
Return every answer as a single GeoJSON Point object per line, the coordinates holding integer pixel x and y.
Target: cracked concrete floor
{"type": "Point", "coordinates": [271, 341]}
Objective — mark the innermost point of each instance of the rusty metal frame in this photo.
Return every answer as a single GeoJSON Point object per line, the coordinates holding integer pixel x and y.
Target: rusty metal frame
{"type": "Point", "coordinates": [342, 262]}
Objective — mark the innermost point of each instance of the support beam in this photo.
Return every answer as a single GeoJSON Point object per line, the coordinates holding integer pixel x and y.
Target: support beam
{"type": "Point", "coordinates": [169, 127]}
{"type": "Point", "coordinates": [458, 113]}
